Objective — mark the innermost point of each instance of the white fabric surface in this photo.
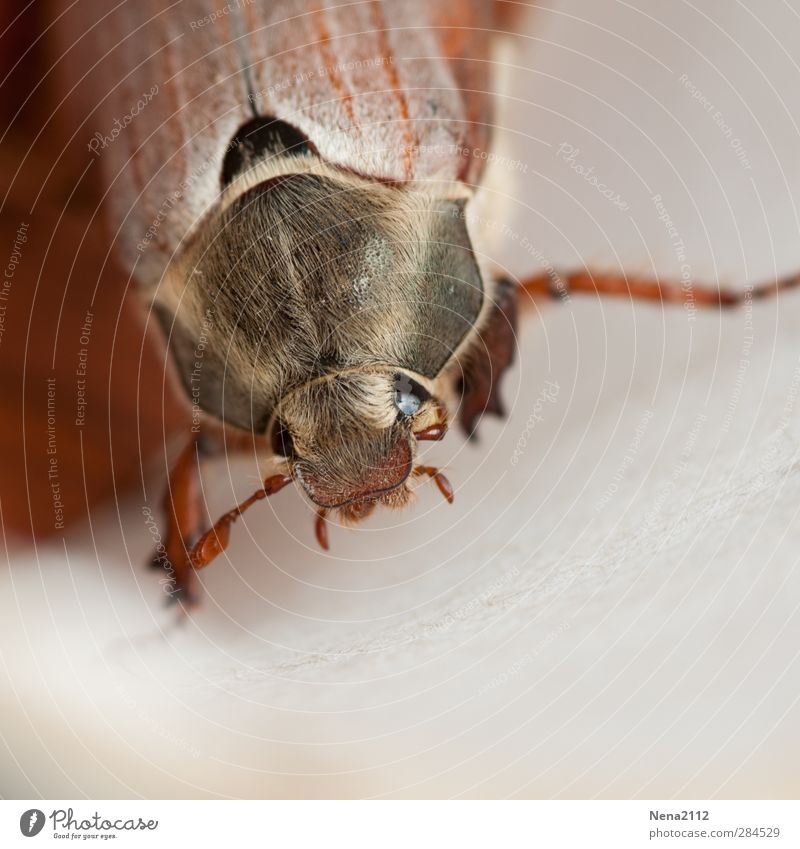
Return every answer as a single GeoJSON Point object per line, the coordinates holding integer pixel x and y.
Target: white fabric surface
{"type": "Point", "coordinates": [548, 634]}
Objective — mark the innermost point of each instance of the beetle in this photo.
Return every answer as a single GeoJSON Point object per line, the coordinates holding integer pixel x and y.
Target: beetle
{"type": "Point", "coordinates": [293, 200]}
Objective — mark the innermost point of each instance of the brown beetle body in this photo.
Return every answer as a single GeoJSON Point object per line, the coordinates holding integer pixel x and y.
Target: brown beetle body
{"type": "Point", "coordinates": [390, 91]}
{"type": "Point", "coordinates": [290, 200]}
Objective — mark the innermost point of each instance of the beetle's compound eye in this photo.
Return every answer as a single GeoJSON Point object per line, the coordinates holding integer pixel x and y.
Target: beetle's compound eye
{"type": "Point", "coordinates": [282, 440]}
{"type": "Point", "coordinates": [408, 395]}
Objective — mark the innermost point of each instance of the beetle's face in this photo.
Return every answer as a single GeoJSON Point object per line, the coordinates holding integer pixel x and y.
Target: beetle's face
{"type": "Point", "coordinates": [349, 439]}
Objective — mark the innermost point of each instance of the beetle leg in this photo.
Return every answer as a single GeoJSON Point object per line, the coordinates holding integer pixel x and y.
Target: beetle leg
{"type": "Point", "coordinates": [493, 348]}
{"type": "Point", "coordinates": [215, 540]}
{"type": "Point", "coordinates": [445, 487]}
{"type": "Point", "coordinates": [560, 286]}
{"type": "Point", "coordinates": [182, 508]}
{"type": "Point", "coordinates": [491, 354]}
{"type": "Point", "coordinates": [321, 528]}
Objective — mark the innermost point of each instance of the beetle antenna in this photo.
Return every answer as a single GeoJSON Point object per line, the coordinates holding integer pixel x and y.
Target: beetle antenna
{"type": "Point", "coordinates": [445, 487]}
{"type": "Point", "coordinates": [215, 540]}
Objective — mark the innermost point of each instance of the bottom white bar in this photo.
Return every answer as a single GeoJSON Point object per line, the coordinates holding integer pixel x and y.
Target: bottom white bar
{"type": "Point", "coordinates": [403, 823]}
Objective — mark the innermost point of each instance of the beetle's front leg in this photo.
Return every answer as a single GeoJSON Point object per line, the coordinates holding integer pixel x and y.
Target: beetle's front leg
{"type": "Point", "coordinates": [491, 353]}
{"type": "Point", "coordinates": [184, 515]}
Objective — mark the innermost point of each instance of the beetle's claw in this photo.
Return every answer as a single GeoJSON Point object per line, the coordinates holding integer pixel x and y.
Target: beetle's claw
{"type": "Point", "coordinates": [185, 595]}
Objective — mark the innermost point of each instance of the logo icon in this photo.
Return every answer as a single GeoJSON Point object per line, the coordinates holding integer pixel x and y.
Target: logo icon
{"type": "Point", "coordinates": [31, 822]}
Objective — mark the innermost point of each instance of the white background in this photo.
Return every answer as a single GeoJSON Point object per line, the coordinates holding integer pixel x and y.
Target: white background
{"type": "Point", "coordinates": [525, 641]}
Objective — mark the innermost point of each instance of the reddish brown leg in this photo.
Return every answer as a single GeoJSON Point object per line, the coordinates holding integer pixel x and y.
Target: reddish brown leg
{"type": "Point", "coordinates": [182, 508]}
{"type": "Point", "coordinates": [445, 487]}
{"type": "Point", "coordinates": [561, 285]}
{"type": "Point", "coordinates": [215, 540]}
{"type": "Point", "coordinates": [321, 528]}
{"type": "Point", "coordinates": [490, 355]}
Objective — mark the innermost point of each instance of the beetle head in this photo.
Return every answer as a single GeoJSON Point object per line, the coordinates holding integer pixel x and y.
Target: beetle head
{"type": "Point", "coordinates": [350, 438]}
{"type": "Point", "coordinates": [325, 311]}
